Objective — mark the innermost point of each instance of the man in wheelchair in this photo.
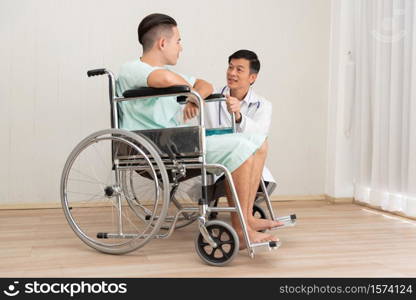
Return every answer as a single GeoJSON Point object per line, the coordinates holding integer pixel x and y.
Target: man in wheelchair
{"type": "Point", "coordinates": [243, 154]}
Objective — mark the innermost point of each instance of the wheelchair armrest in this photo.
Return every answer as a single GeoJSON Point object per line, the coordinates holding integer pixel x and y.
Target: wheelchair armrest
{"type": "Point", "coordinates": [148, 91]}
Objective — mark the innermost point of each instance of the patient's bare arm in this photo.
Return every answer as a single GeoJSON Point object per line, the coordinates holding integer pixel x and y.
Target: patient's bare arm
{"type": "Point", "coordinates": [165, 78]}
{"type": "Point", "coordinates": [203, 88]}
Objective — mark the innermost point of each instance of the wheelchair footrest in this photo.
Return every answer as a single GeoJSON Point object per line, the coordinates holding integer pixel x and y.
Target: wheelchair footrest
{"type": "Point", "coordinates": [272, 245]}
{"type": "Point", "coordinates": [287, 221]}
{"type": "Point", "coordinates": [107, 235]}
{"type": "Point", "coordinates": [102, 235]}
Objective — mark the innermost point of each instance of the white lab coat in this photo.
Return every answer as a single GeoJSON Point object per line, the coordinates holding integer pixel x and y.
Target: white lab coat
{"type": "Point", "coordinates": [256, 117]}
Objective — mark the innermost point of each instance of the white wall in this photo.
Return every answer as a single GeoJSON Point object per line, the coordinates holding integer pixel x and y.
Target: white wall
{"type": "Point", "coordinates": [47, 103]}
{"type": "Point", "coordinates": [339, 178]}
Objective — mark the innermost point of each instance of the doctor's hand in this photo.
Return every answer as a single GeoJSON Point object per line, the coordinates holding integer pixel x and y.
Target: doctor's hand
{"type": "Point", "coordinates": [233, 106]}
{"type": "Point", "coordinates": [190, 111]}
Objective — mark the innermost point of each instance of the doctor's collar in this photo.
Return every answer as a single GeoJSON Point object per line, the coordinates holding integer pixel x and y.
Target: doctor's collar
{"type": "Point", "coordinates": [250, 96]}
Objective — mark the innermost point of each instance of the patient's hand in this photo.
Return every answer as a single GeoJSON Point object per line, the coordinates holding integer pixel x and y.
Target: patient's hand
{"type": "Point", "coordinates": [190, 111]}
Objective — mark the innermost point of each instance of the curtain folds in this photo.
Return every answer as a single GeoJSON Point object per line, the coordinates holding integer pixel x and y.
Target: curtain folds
{"type": "Point", "coordinates": [384, 117]}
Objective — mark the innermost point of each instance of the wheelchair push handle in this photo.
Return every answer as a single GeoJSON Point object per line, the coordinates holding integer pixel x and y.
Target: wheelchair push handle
{"type": "Point", "coordinates": [210, 98]}
{"type": "Point", "coordinates": [213, 97]}
{"type": "Point", "coordinates": [96, 72]}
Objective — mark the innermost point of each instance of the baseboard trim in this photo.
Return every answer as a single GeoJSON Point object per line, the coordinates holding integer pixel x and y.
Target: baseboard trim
{"type": "Point", "coordinates": [297, 198]}
{"type": "Point", "coordinates": [46, 205]}
{"type": "Point", "coordinates": [277, 198]}
{"type": "Point", "coordinates": [339, 200]}
{"type": "Point", "coordinates": [379, 209]}
{"type": "Point", "coordinates": [54, 205]}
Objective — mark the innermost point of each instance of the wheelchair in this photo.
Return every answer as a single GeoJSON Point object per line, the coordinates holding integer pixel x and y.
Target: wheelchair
{"type": "Point", "coordinates": [121, 189]}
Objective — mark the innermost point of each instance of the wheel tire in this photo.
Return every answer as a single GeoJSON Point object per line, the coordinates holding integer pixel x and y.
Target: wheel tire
{"type": "Point", "coordinates": [91, 170]}
{"type": "Point", "coordinates": [227, 241]}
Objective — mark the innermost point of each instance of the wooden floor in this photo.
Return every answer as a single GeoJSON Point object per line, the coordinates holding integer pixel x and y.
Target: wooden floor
{"type": "Point", "coordinates": [329, 240]}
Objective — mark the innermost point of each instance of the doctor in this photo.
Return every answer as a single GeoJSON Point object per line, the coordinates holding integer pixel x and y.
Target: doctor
{"type": "Point", "coordinates": [252, 112]}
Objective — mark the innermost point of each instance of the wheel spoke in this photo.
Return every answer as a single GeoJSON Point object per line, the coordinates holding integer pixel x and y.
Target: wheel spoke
{"type": "Point", "coordinates": [82, 180]}
{"type": "Point", "coordinates": [224, 254]}
{"type": "Point", "coordinates": [229, 242]}
{"type": "Point", "coordinates": [95, 174]}
{"type": "Point", "coordinates": [212, 255]}
{"type": "Point", "coordinates": [93, 197]}
{"type": "Point", "coordinates": [102, 160]}
{"type": "Point", "coordinates": [88, 176]}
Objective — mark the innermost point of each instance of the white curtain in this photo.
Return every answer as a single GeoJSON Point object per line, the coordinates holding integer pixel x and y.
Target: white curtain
{"type": "Point", "coordinates": [384, 110]}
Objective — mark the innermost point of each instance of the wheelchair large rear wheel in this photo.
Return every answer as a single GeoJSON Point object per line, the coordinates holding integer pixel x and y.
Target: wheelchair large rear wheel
{"type": "Point", "coordinates": [94, 198]}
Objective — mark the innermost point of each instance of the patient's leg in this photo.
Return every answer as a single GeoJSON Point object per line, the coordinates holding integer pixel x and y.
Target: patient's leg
{"type": "Point", "coordinates": [259, 159]}
{"type": "Point", "coordinates": [241, 178]}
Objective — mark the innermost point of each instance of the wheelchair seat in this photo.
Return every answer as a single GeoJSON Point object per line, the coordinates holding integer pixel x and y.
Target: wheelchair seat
{"type": "Point", "coordinates": [178, 142]}
{"type": "Point", "coordinates": [173, 143]}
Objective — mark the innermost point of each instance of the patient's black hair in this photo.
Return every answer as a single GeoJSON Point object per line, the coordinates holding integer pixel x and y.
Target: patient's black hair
{"type": "Point", "coordinates": [250, 56]}
{"type": "Point", "coordinates": [151, 26]}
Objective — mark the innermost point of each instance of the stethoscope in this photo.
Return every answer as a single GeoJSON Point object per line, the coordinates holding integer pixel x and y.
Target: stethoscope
{"type": "Point", "coordinates": [251, 104]}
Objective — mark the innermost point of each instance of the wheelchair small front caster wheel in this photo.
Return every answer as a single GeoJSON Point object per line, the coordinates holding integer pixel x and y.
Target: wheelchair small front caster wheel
{"type": "Point", "coordinates": [258, 212]}
{"type": "Point", "coordinates": [227, 244]}
{"type": "Point", "coordinates": [213, 216]}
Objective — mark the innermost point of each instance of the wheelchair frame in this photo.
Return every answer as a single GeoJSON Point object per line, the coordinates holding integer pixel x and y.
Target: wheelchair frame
{"type": "Point", "coordinates": [150, 153]}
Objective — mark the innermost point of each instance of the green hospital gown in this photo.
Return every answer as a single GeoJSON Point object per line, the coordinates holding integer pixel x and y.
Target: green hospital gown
{"type": "Point", "coordinates": [229, 150]}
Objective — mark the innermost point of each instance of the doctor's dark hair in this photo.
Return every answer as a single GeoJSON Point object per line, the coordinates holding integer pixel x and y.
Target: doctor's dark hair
{"type": "Point", "coordinates": [250, 56]}
{"type": "Point", "coordinates": [151, 27]}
